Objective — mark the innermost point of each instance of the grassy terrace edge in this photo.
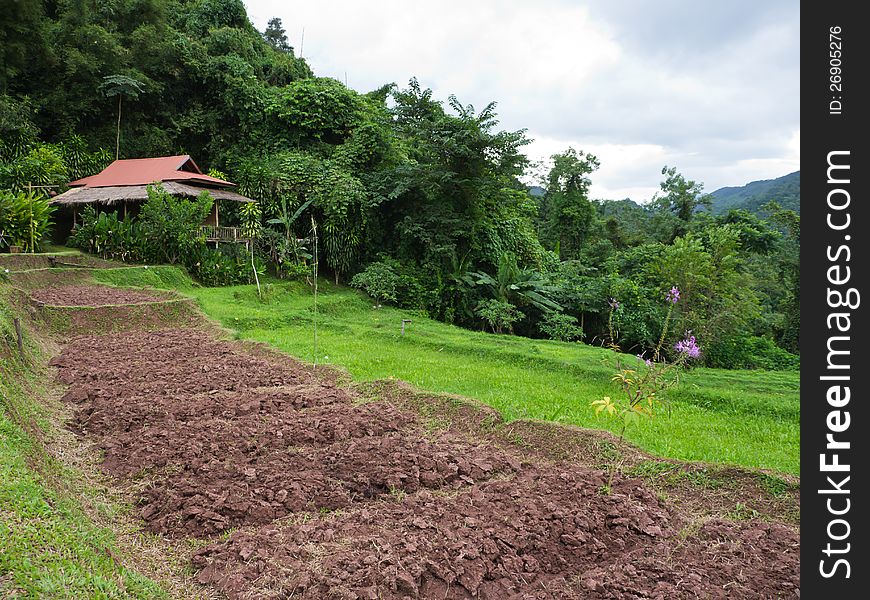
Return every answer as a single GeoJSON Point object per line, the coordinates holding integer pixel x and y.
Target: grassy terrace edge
{"type": "Point", "coordinates": [743, 418]}
{"type": "Point", "coordinates": [49, 545]}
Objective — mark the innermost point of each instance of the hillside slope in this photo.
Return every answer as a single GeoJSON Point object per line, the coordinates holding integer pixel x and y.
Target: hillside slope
{"type": "Point", "coordinates": [758, 411]}
{"type": "Point", "coordinates": [786, 190]}
{"type": "Point", "coordinates": [250, 466]}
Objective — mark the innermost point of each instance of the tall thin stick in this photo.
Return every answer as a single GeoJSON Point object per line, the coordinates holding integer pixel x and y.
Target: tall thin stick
{"type": "Point", "coordinates": [118, 131]}
{"type": "Point", "coordinates": [314, 232]}
{"type": "Point", "coordinates": [30, 197]}
{"type": "Point", "coordinates": [254, 268]}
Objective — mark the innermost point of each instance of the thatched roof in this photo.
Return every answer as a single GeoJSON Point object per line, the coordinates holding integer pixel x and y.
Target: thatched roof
{"type": "Point", "coordinates": [137, 193]}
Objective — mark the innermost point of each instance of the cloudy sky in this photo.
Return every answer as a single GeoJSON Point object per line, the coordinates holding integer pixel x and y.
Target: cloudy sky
{"type": "Point", "coordinates": [709, 87]}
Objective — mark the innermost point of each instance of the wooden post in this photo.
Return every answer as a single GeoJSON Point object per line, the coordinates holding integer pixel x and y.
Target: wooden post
{"type": "Point", "coordinates": [403, 325]}
{"type": "Point", "coordinates": [17, 323]}
{"type": "Point", "coordinates": [30, 197]}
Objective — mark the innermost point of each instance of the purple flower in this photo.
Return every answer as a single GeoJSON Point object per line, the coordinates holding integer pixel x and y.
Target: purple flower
{"type": "Point", "coordinates": [646, 361]}
{"type": "Point", "coordinates": [673, 295]}
{"type": "Point", "coordinates": [613, 303]}
{"type": "Point", "coordinates": [688, 346]}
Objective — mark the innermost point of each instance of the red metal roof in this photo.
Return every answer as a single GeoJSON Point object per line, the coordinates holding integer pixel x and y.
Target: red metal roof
{"type": "Point", "coordinates": [142, 171]}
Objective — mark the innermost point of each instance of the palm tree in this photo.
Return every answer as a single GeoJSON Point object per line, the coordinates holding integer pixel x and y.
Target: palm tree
{"type": "Point", "coordinates": [120, 86]}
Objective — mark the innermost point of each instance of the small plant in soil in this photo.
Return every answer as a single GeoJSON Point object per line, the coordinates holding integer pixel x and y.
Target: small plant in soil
{"type": "Point", "coordinates": [774, 485]}
{"type": "Point", "coordinates": [398, 493]}
{"type": "Point", "coordinates": [520, 441]}
{"type": "Point", "coordinates": [642, 383]}
{"type": "Point", "coordinates": [700, 478]}
{"type": "Point", "coordinates": [650, 468]}
{"type": "Point", "coordinates": [433, 425]}
{"type": "Point", "coordinates": [741, 512]}
{"type": "Point", "coordinates": [489, 424]}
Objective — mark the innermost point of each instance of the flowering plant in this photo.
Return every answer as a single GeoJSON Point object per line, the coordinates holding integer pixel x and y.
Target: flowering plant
{"type": "Point", "coordinates": [642, 383]}
{"type": "Point", "coordinates": [688, 346]}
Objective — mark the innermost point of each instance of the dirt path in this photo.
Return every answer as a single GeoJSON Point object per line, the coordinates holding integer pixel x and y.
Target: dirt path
{"type": "Point", "coordinates": [330, 496]}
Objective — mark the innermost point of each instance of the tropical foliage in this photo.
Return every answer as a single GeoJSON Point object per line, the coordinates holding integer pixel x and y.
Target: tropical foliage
{"type": "Point", "coordinates": [419, 202]}
{"type": "Point", "coordinates": [109, 236]}
{"type": "Point", "coordinates": [25, 220]}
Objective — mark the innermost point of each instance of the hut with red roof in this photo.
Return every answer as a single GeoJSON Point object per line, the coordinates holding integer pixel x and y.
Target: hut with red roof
{"type": "Point", "coordinates": [123, 184]}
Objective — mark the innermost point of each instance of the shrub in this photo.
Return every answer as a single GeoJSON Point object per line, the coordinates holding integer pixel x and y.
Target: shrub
{"type": "Point", "coordinates": [228, 265]}
{"type": "Point", "coordinates": [499, 315]}
{"type": "Point", "coordinates": [559, 326]}
{"type": "Point", "coordinates": [172, 225]}
{"type": "Point", "coordinates": [388, 280]}
{"type": "Point", "coordinates": [25, 220]}
{"type": "Point", "coordinates": [379, 281]}
{"type": "Point", "coordinates": [41, 165]}
{"type": "Point", "coordinates": [638, 321]}
{"type": "Point", "coordinates": [108, 236]}
{"type": "Point", "coordinates": [287, 253]}
{"type": "Point", "coordinates": [751, 352]}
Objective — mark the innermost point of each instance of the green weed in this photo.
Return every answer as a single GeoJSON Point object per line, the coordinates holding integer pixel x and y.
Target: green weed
{"type": "Point", "coordinates": [741, 512]}
{"type": "Point", "coordinates": [776, 486]}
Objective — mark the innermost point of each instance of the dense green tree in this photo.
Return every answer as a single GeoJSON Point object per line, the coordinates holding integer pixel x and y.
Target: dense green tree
{"type": "Point", "coordinates": [681, 196]}
{"type": "Point", "coordinates": [716, 296]}
{"type": "Point", "coordinates": [315, 110]}
{"type": "Point", "coordinates": [566, 214]}
{"type": "Point", "coordinates": [449, 195]}
{"type": "Point", "coordinates": [17, 130]}
{"type": "Point", "coordinates": [788, 261]}
{"type": "Point", "coordinates": [756, 235]}
{"type": "Point", "coordinates": [276, 36]}
{"type": "Point", "coordinates": [22, 39]}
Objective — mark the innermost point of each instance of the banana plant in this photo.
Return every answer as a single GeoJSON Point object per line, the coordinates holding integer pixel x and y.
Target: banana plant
{"type": "Point", "coordinates": [516, 285]}
{"type": "Point", "coordinates": [294, 246]}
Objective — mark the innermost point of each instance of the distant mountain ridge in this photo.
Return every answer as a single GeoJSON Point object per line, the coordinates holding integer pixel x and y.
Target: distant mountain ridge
{"type": "Point", "coordinates": [786, 190]}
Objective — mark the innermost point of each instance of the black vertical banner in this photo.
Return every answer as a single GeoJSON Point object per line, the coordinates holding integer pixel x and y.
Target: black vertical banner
{"type": "Point", "coordinates": [835, 420]}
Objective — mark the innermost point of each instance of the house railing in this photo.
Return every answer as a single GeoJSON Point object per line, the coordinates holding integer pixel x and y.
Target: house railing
{"type": "Point", "coordinates": [224, 234]}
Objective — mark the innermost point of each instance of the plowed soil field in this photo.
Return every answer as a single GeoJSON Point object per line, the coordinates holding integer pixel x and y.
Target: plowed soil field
{"type": "Point", "coordinates": [91, 295]}
{"type": "Point", "coordinates": [303, 489]}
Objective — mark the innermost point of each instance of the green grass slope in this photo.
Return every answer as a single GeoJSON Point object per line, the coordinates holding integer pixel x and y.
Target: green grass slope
{"type": "Point", "coordinates": [749, 418]}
